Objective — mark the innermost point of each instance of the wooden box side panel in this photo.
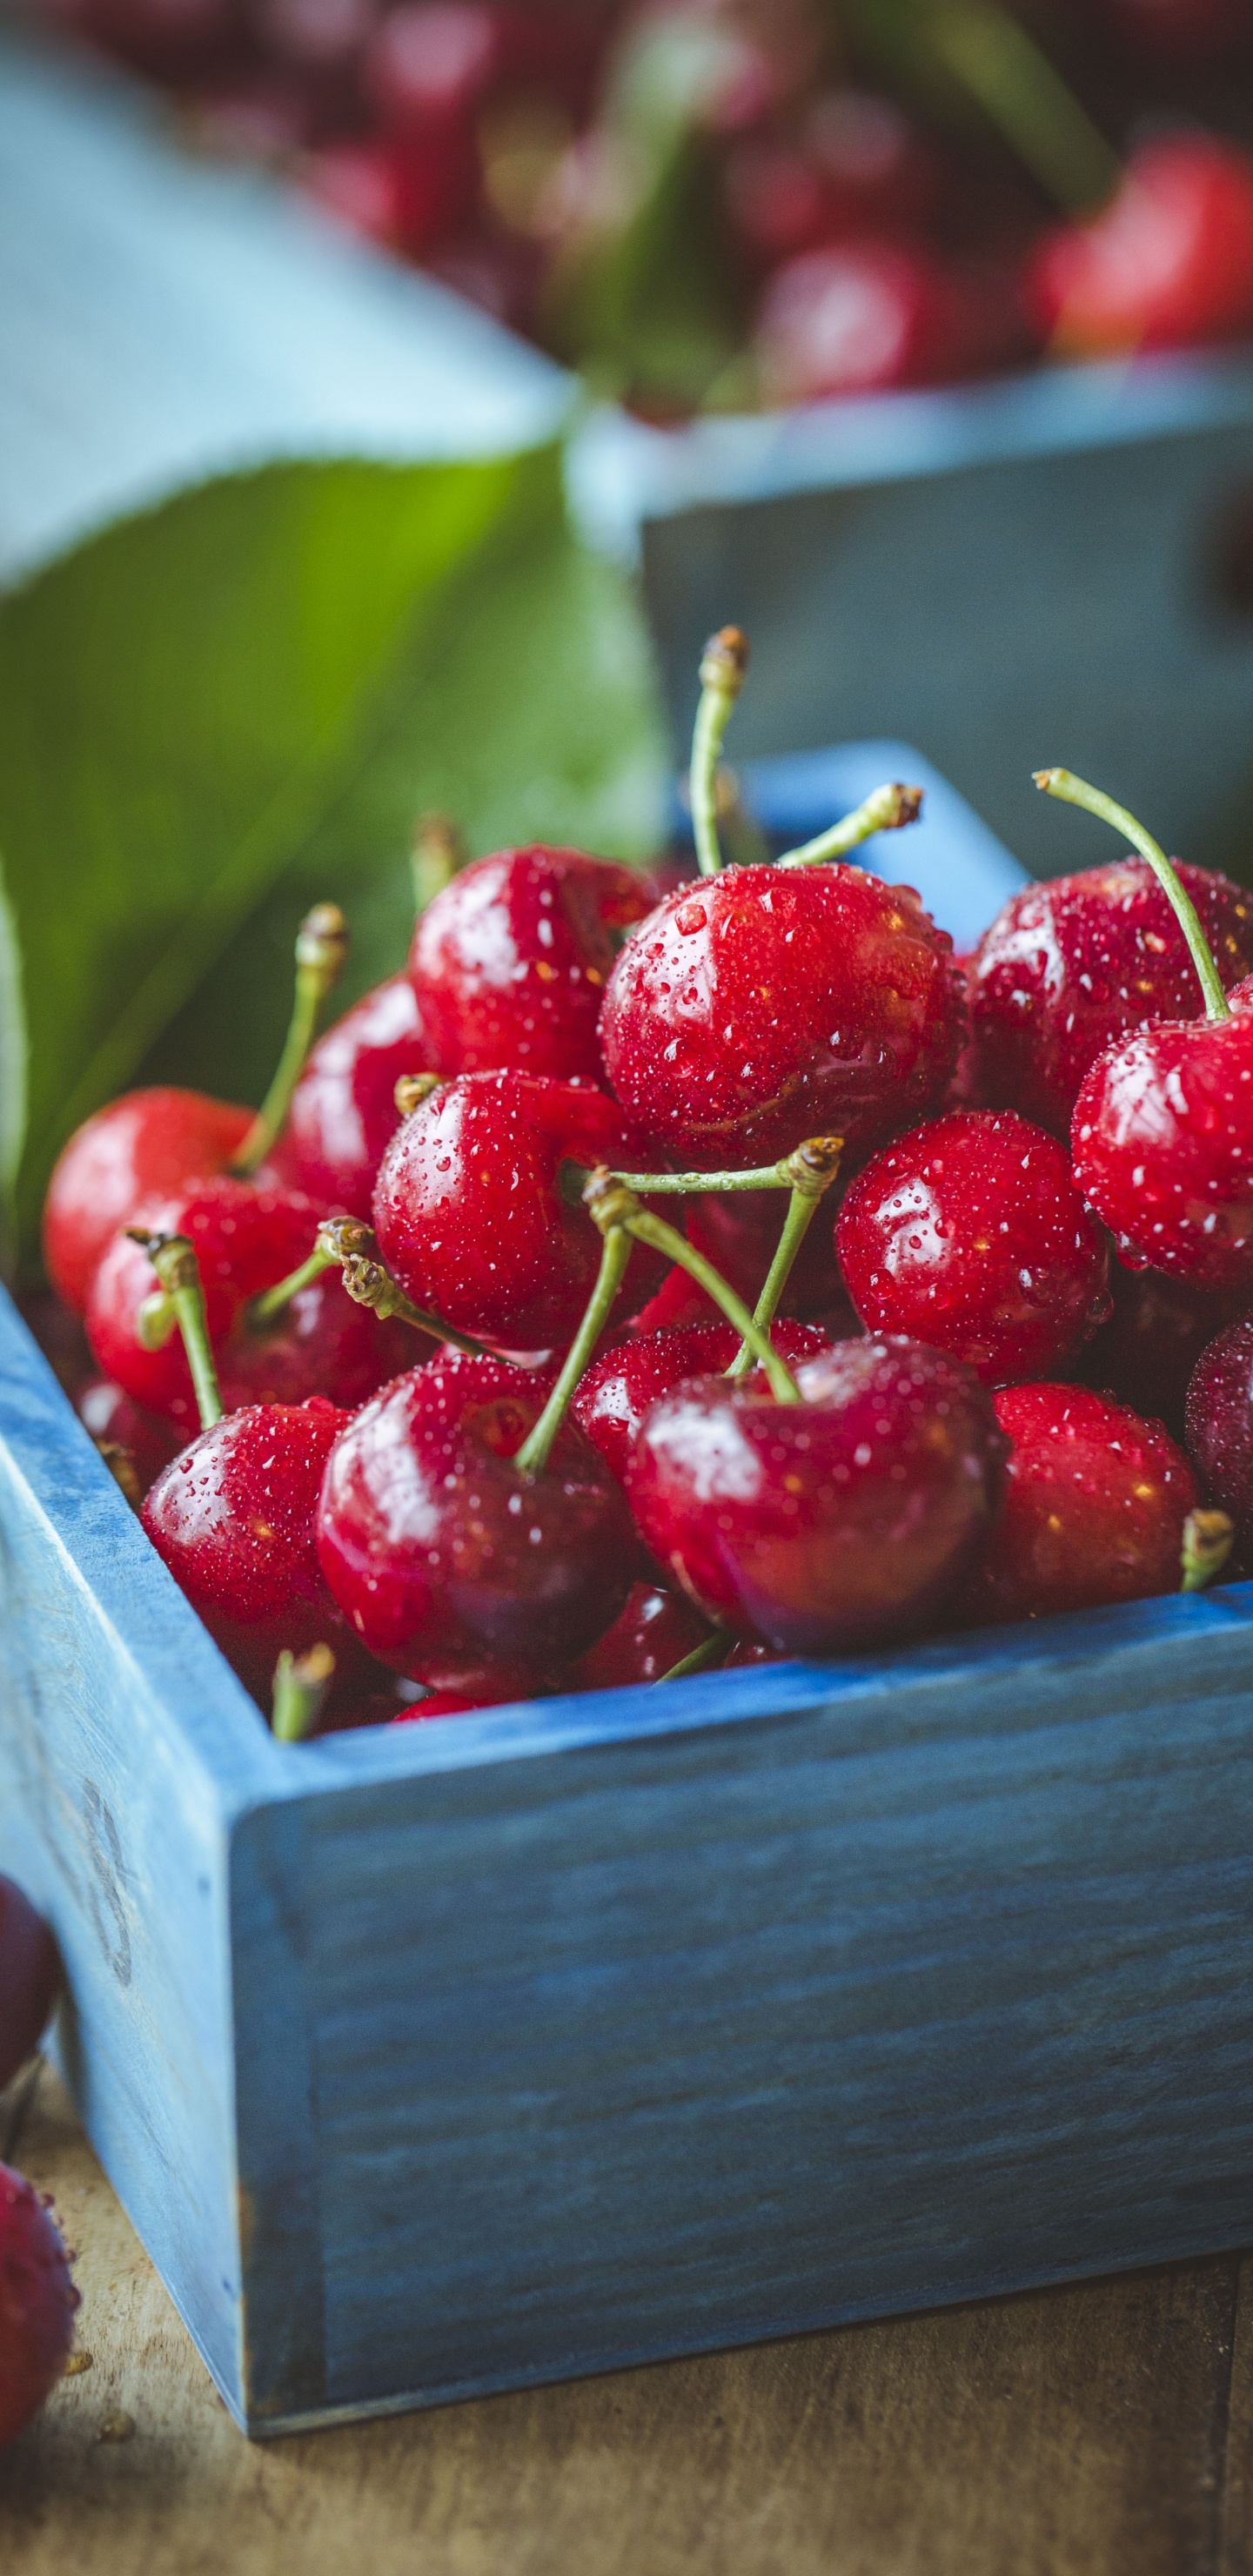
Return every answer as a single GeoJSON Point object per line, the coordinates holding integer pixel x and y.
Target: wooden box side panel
{"type": "Point", "coordinates": [892, 1999]}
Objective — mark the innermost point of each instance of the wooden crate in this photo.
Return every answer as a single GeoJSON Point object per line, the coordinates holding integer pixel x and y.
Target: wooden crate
{"type": "Point", "coordinates": [439, 2059]}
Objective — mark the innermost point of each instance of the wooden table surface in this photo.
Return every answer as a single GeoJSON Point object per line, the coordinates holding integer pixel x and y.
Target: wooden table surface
{"type": "Point", "coordinates": [1107, 2430]}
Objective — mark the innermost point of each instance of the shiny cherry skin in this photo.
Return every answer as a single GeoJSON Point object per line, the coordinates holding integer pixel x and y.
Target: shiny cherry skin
{"type": "Point", "coordinates": [486, 1690]}
{"type": "Point", "coordinates": [1069, 966]}
{"type": "Point", "coordinates": [37, 2303]}
{"type": "Point", "coordinates": [765, 1005]}
{"type": "Point", "coordinates": [969, 1234]}
{"type": "Point", "coordinates": [1219, 1420]}
{"type": "Point", "coordinates": [511, 960]}
{"type": "Point", "coordinates": [470, 1213]}
{"type": "Point", "coordinates": [615, 1393]}
{"type": "Point", "coordinates": [30, 1973]}
{"type": "Point", "coordinates": [1146, 1352]}
{"type": "Point", "coordinates": [1095, 1503]}
{"type": "Point", "coordinates": [1162, 1141]}
{"type": "Point", "coordinates": [145, 1145]}
{"type": "Point", "coordinates": [235, 1521]}
{"type": "Point", "coordinates": [653, 1631]}
{"type": "Point", "coordinates": [1168, 263]}
{"type": "Point", "coordinates": [833, 1524]}
{"type": "Point", "coordinates": [247, 1239]}
{"type": "Point", "coordinates": [343, 1113]}
{"type": "Point", "coordinates": [450, 1563]}
{"type": "Point", "coordinates": [109, 1414]}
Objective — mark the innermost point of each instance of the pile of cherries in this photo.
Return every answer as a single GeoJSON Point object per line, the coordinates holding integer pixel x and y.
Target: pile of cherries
{"type": "Point", "coordinates": [540, 154]}
{"type": "Point", "coordinates": [664, 1272]}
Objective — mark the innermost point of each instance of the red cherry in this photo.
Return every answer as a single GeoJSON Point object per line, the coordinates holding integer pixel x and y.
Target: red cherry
{"type": "Point", "coordinates": [1069, 966]}
{"type": "Point", "coordinates": [833, 1523]}
{"type": "Point", "coordinates": [652, 1633]}
{"type": "Point", "coordinates": [470, 1215]}
{"type": "Point", "coordinates": [511, 961]}
{"type": "Point", "coordinates": [615, 1393]}
{"type": "Point", "coordinates": [1146, 1353]}
{"type": "Point", "coordinates": [146, 1145]}
{"type": "Point", "coordinates": [109, 1414]}
{"type": "Point", "coordinates": [969, 1234]}
{"type": "Point", "coordinates": [1168, 263]}
{"type": "Point", "coordinates": [855, 318]}
{"type": "Point", "coordinates": [1220, 1428]}
{"type": "Point", "coordinates": [234, 1519]}
{"type": "Point", "coordinates": [389, 191]}
{"type": "Point", "coordinates": [343, 1112]}
{"type": "Point", "coordinates": [765, 1005]}
{"type": "Point", "coordinates": [857, 165]}
{"type": "Point", "coordinates": [37, 2303]}
{"type": "Point", "coordinates": [30, 1973]}
{"type": "Point", "coordinates": [1163, 1146]}
{"type": "Point", "coordinates": [246, 1239]}
{"type": "Point", "coordinates": [445, 1558]}
{"type": "Point", "coordinates": [1095, 1504]}
{"type": "Point", "coordinates": [485, 1690]}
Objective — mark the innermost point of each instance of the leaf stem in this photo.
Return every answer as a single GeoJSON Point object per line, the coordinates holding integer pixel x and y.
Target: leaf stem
{"type": "Point", "coordinates": [885, 809]}
{"type": "Point", "coordinates": [1208, 1539]}
{"type": "Point", "coordinates": [532, 1458]}
{"type": "Point", "coordinates": [1093, 800]}
{"type": "Point", "coordinates": [610, 1203]}
{"type": "Point", "coordinates": [174, 1260]}
{"type": "Point", "coordinates": [723, 664]}
{"type": "Point", "coordinates": [301, 1683]}
{"type": "Point", "coordinates": [321, 948]}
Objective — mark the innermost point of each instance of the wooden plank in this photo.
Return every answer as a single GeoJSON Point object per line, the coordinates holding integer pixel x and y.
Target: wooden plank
{"type": "Point", "coordinates": [1071, 2433]}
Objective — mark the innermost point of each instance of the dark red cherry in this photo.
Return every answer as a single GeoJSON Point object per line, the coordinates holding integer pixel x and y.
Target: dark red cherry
{"type": "Point", "coordinates": [652, 1633]}
{"type": "Point", "coordinates": [493, 1689]}
{"type": "Point", "coordinates": [765, 1005]}
{"type": "Point", "coordinates": [37, 2303]}
{"type": "Point", "coordinates": [234, 1519]}
{"type": "Point", "coordinates": [111, 1416]}
{"type": "Point", "coordinates": [511, 961]}
{"type": "Point", "coordinates": [970, 1235]}
{"type": "Point", "coordinates": [1167, 263]}
{"type": "Point", "coordinates": [246, 1239]}
{"type": "Point", "coordinates": [1220, 1429]}
{"type": "Point", "coordinates": [1095, 1504]}
{"type": "Point", "coordinates": [343, 1113]}
{"type": "Point", "coordinates": [403, 195]}
{"type": "Point", "coordinates": [470, 1213]}
{"type": "Point", "coordinates": [833, 1523]}
{"type": "Point", "coordinates": [1163, 1146]}
{"type": "Point", "coordinates": [145, 1145]}
{"type": "Point", "coordinates": [448, 1561]}
{"type": "Point", "coordinates": [616, 1391]}
{"type": "Point", "coordinates": [857, 165]}
{"type": "Point", "coordinates": [1146, 1353]}
{"type": "Point", "coordinates": [30, 1973]}
{"type": "Point", "coordinates": [1067, 967]}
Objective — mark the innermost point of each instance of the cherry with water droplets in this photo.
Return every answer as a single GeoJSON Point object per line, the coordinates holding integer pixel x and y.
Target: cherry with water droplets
{"type": "Point", "coordinates": [145, 1146]}
{"type": "Point", "coordinates": [1219, 1429]}
{"type": "Point", "coordinates": [969, 1234]}
{"type": "Point", "coordinates": [1163, 1146]}
{"type": "Point", "coordinates": [38, 2301]}
{"type": "Point", "coordinates": [30, 1973]}
{"type": "Point", "coordinates": [511, 961]}
{"type": "Point", "coordinates": [1095, 1505]}
{"type": "Point", "coordinates": [617, 1390]}
{"type": "Point", "coordinates": [343, 1113]}
{"type": "Point", "coordinates": [654, 1630]}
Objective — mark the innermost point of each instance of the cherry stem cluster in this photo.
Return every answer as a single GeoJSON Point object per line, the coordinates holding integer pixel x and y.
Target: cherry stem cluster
{"type": "Point", "coordinates": [612, 1203]}
{"type": "Point", "coordinates": [811, 1170]}
{"type": "Point", "coordinates": [321, 948]}
{"type": "Point", "coordinates": [885, 809]}
{"type": "Point", "coordinates": [178, 1305]}
{"type": "Point", "coordinates": [345, 1244]}
{"type": "Point", "coordinates": [723, 664]}
{"type": "Point", "coordinates": [1092, 800]}
{"type": "Point", "coordinates": [301, 1683]}
{"type": "Point", "coordinates": [1208, 1538]}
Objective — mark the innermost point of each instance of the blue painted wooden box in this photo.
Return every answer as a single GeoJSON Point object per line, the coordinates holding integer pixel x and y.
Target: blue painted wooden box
{"type": "Point", "coordinates": [458, 2057]}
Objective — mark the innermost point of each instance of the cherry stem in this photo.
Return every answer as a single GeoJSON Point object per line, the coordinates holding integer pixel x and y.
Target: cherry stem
{"type": "Point", "coordinates": [885, 809]}
{"type": "Point", "coordinates": [321, 948]}
{"type": "Point", "coordinates": [436, 857]}
{"type": "Point", "coordinates": [301, 1683]}
{"type": "Point", "coordinates": [1208, 1538]}
{"type": "Point", "coordinates": [180, 1303]}
{"type": "Point", "coordinates": [1093, 800]}
{"type": "Point", "coordinates": [610, 1203]}
{"type": "Point", "coordinates": [532, 1458]}
{"type": "Point", "coordinates": [1028, 101]}
{"type": "Point", "coordinates": [273, 1303]}
{"type": "Point", "coordinates": [722, 667]}
{"type": "Point", "coordinates": [813, 1168]}
{"type": "Point", "coordinates": [710, 1651]}
{"type": "Point", "coordinates": [346, 1241]}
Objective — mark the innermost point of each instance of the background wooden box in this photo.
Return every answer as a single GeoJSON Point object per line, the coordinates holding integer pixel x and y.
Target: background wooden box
{"type": "Point", "coordinates": [448, 2058]}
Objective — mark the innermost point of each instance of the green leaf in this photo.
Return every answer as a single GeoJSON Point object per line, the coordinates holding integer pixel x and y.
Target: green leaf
{"type": "Point", "coordinates": [217, 712]}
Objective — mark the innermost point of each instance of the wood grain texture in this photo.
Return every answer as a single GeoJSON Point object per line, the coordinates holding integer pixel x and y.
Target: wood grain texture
{"type": "Point", "coordinates": [1077, 2432]}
